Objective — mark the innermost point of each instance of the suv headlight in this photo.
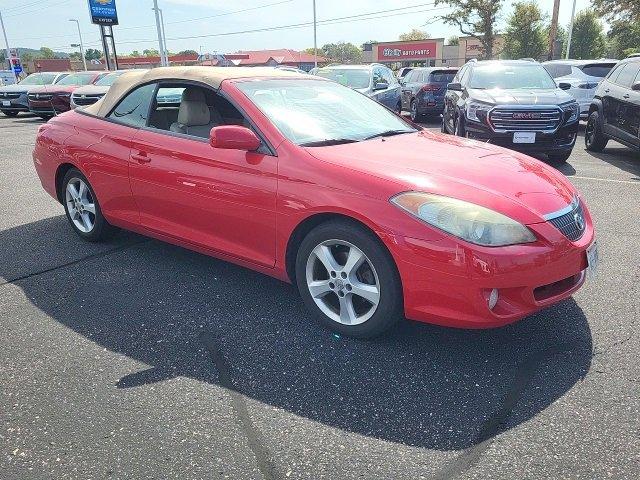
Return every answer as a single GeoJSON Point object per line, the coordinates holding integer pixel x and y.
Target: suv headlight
{"type": "Point", "coordinates": [572, 111]}
{"type": "Point", "coordinates": [474, 108]}
{"type": "Point", "coordinates": [464, 220]}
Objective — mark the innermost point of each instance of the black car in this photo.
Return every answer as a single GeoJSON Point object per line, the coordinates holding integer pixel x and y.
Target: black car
{"type": "Point", "coordinates": [423, 90]}
{"type": "Point", "coordinates": [615, 109]}
{"type": "Point", "coordinates": [512, 103]}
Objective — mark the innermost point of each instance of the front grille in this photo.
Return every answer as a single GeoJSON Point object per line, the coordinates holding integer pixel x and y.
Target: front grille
{"type": "Point", "coordinates": [8, 96]}
{"type": "Point", "coordinates": [528, 120]}
{"type": "Point", "coordinates": [572, 224]}
{"type": "Point", "coordinates": [40, 96]}
{"type": "Point", "coordinates": [86, 99]}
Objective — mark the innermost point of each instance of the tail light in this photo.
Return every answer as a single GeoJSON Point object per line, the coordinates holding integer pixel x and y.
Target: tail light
{"type": "Point", "coordinates": [430, 87]}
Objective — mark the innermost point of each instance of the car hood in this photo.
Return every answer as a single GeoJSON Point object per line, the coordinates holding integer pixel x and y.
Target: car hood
{"type": "Point", "coordinates": [54, 88]}
{"type": "Point", "coordinates": [520, 96]}
{"type": "Point", "coordinates": [509, 182]}
{"type": "Point", "coordinates": [91, 90]}
{"type": "Point", "coordinates": [17, 88]}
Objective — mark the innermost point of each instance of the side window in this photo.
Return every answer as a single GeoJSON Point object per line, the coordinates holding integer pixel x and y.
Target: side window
{"type": "Point", "coordinates": [628, 74]}
{"type": "Point", "coordinates": [388, 76]}
{"type": "Point", "coordinates": [377, 76]}
{"type": "Point", "coordinates": [409, 77]}
{"type": "Point", "coordinates": [461, 72]}
{"type": "Point", "coordinates": [133, 109]}
{"type": "Point", "coordinates": [465, 75]}
{"type": "Point", "coordinates": [613, 75]}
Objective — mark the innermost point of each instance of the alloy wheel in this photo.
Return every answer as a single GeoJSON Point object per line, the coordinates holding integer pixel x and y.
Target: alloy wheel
{"type": "Point", "coordinates": [343, 282]}
{"type": "Point", "coordinates": [414, 111]}
{"type": "Point", "coordinates": [590, 131]}
{"type": "Point", "coordinates": [80, 205]}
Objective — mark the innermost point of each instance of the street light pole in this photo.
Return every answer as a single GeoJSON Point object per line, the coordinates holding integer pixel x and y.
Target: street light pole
{"type": "Point", "coordinates": [315, 43]}
{"type": "Point", "coordinates": [573, 12]}
{"type": "Point", "coordinates": [159, 29]}
{"type": "Point", "coordinates": [6, 42]}
{"type": "Point", "coordinates": [164, 39]}
{"type": "Point", "coordinates": [84, 60]}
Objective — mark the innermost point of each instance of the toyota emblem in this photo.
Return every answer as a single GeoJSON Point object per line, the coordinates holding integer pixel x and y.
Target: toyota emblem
{"type": "Point", "coordinates": [579, 221]}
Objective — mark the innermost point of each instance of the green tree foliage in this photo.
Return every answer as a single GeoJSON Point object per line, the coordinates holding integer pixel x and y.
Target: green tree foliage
{"type": "Point", "coordinates": [46, 52]}
{"type": "Point", "coordinates": [618, 10]}
{"type": "Point", "coordinates": [151, 52]}
{"type": "Point", "coordinates": [341, 52]}
{"type": "Point", "coordinates": [624, 39]}
{"type": "Point", "coordinates": [93, 54]}
{"type": "Point", "coordinates": [587, 40]}
{"type": "Point", "coordinates": [476, 18]}
{"type": "Point", "coordinates": [188, 52]}
{"type": "Point", "coordinates": [525, 34]}
{"type": "Point", "coordinates": [414, 34]}
{"type": "Point", "coordinates": [453, 40]}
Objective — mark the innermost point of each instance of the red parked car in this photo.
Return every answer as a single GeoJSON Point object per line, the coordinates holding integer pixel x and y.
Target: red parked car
{"type": "Point", "coordinates": [49, 100]}
{"type": "Point", "coordinates": [311, 182]}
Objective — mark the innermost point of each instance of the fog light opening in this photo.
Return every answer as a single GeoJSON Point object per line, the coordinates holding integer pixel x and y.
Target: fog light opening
{"type": "Point", "coordinates": [493, 298]}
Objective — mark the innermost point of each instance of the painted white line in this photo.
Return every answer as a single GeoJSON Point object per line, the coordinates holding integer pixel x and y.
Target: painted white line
{"type": "Point", "coordinates": [630, 182]}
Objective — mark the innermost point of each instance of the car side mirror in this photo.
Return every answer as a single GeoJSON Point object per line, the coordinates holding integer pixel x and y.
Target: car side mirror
{"type": "Point", "coordinates": [455, 86]}
{"type": "Point", "coordinates": [381, 86]}
{"type": "Point", "coordinates": [234, 137]}
{"type": "Point", "coordinates": [636, 86]}
{"type": "Point", "coordinates": [564, 86]}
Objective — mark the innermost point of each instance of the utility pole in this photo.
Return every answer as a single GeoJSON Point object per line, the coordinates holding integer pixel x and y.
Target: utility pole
{"type": "Point", "coordinates": [315, 43]}
{"type": "Point", "coordinates": [159, 29]}
{"type": "Point", "coordinates": [164, 39]}
{"type": "Point", "coordinates": [553, 31]}
{"type": "Point", "coordinates": [573, 12]}
{"type": "Point", "coordinates": [6, 43]}
{"type": "Point", "coordinates": [84, 60]}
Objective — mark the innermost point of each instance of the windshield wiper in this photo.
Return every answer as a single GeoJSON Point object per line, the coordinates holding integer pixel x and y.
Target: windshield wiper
{"type": "Point", "coordinates": [388, 133]}
{"type": "Point", "coordinates": [327, 142]}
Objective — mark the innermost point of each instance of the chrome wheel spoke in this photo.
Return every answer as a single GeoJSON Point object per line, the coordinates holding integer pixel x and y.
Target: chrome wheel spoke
{"type": "Point", "coordinates": [86, 221]}
{"type": "Point", "coordinates": [369, 292]}
{"type": "Point", "coordinates": [323, 253]}
{"type": "Point", "coordinates": [80, 205]}
{"type": "Point", "coordinates": [354, 260]}
{"type": "Point", "coordinates": [71, 188]}
{"type": "Point", "coordinates": [347, 312]}
{"type": "Point", "coordinates": [82, 191]}
{"type": "Point", "coordinates": [90, 207]}
{"type": "Point", "coordinates": [319, 288]}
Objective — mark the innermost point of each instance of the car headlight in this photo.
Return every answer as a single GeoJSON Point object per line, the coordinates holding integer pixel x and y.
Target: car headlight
{"type": "Point", "coordinates": [464, 220]}
{"type": "Point", "coordinates": [572, 111]}
{"type": "Point", "coordinates": [473, 109]}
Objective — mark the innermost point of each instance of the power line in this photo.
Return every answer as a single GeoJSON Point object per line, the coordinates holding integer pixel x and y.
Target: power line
{"type": "Point", "coordinates": [36, 10]}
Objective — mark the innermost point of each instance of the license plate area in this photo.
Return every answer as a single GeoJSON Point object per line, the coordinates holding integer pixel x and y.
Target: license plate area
{"type": "Point", "coordinates": [592, 259]}
{"type": "Point", "coordinates": [6, 103]}
{"type": "Point", "coordinates": [524, 137]}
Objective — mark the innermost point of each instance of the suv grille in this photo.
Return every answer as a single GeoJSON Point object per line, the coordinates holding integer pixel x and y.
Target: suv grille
{"type": "Point", "coordinates": [530, 119]}
{"type": "Point", "coordinates": [10, 95]}
{"type": "Point", "coordinates": [571, 224]}
{"type": "Point", "coordinates": [86, 99]}
{"type": "Point", "coordinates": [40, 96]}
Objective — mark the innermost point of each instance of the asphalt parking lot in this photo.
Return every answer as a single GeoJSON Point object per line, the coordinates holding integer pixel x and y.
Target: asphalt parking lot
{"type": "Point", "coordinates": [137, 359]}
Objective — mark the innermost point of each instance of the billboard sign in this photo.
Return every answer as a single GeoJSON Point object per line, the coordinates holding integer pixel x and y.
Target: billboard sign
{"type": "Point", "coordinates": [103, 12]}
{"type": "Point", "coordinates": [419, 50]}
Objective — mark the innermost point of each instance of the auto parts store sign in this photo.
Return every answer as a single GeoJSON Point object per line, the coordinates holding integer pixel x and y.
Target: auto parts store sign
{"type": "Point", "coordinates": [406, 51]}
{"type": "Point", "coordinates": [103, 12]}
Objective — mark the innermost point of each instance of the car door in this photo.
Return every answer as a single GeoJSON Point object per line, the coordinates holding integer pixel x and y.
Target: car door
{"type": "Point", "coordinates": [392, 97]}
{"type": "Point", "coordinates": [628, 103]}
{"type": "Point", "coordinates": [452, 98]}
{"type": "Point", "coordinates": [223, 200]}
{"type": "Point", "coordinates": [610, 91]}
{"type": "Point", "coordinates": [406, 90]}
{"type": "Point", "coordinates": [379, 95]}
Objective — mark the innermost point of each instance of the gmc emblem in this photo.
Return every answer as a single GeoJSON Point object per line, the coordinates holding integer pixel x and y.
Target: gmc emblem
{"type": "Point", "coordinates": [526, 115]}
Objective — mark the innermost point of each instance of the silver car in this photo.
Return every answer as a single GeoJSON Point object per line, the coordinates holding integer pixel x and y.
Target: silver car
{"type": "Point", "coordinates": [583, 76]}
{"type": "Point", "coordinates": [90, 94]}
{"type": "Point", "coordinates": [13, 98]}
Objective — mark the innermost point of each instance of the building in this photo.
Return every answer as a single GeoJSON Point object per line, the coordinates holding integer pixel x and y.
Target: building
{"type": "Point", "coordinates": [430, 52]}
{"type": "Point", "coordinates": [154, 61]}
{"type": "Point", "coordinates": [47, 65]}
{"type": "Point", "coordinates": [265, 58]}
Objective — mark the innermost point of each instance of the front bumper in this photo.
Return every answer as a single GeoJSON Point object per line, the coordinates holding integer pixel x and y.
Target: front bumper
{"type": "Point", "coordinates": [50, 107]}
{"type": "Point", "coordinates": [561, 140]}
{"type": "Point", "coordinates": [19, 104]}
{"type": "Point", "coordinates": [448, 282]}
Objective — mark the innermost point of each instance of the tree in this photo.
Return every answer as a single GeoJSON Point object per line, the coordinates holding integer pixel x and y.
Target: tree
{"type": "Point", "coordinates": [414, 34]}
{"type": "Point", "coordinates": [93, 54]}
{"type": "Point", "coordinates": [453, 40]}
{"type": "Point", "coordinates": [624, 38]}
{"type": "Point", "coordinates": [618, 10]}
{"type": "Point", "coordinates": [135, 53]}
{"type": "Point", "coordinates": [151, 52]}
{"type": "Point", "coordinates": [476, 18]}
{"type": "Point", "coordinates": [75, 56]}
{"type": "Point", "coordinates": [342, 52]}
{"type": "Point", "coordinates": [587, 39]}
{"type": "Point", "coordinates": [188, 52]}
{"type": "Point", "coordinates": [46, 52]}
{"type": "Point", "coordinates": [525, 34]}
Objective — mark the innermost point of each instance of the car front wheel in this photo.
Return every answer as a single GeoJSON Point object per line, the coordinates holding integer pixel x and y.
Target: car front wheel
{"type": "Point", "coordinates": [10, 113]}
{"type": "Point", "coordinates": [459, 127]}
{"type": "Point", "coordinates": [348, 280]}
{"type": "Point", "coordinates": [82, 208]}
{"type": "Point", "coordinates": [594, 139]}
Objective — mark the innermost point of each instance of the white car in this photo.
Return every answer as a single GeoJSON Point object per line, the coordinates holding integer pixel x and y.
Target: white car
{"type": "Point", "coordinates": [583, 76]}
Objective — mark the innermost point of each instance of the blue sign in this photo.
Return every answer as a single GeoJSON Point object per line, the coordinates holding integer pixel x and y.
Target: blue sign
{"type": "Point", "coordinates": [17, 68]}
{"type": "Point", "coordinates": [103, 12]}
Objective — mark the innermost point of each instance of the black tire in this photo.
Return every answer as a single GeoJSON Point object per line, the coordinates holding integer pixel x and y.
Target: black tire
{"type": "Point", "coordinates": [413, 109]}
{"type": "Point", "coordinates": [390, 305]}
{"type": "Point", "coordinates": [594, 139]}
{"type": "Point", "coordinates": [443, 126]}
{"type": "Point", "coordinates": [10, 113]}
{"type": "Point", "coordinates": [459, 129]}
{"type": "Point", "coordinates": [559, 157]}
{"type": "Point", "coordinates": [101, 230]}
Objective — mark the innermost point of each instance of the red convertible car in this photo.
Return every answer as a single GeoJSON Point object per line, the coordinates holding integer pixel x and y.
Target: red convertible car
{"type": "Point", "coordinates": [306, 180]}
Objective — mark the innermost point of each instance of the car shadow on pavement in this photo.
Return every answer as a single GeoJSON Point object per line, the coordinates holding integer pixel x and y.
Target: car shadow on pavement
{"type": "Point", "coordinates": [185, 314]}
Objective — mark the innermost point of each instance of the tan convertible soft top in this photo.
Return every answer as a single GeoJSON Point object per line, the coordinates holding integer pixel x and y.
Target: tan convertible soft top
{"type": "Point", "coordinates": [212, 76]}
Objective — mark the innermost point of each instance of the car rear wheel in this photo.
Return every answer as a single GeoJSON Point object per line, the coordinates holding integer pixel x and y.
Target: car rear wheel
{"type": "Point", "coordinates": [82, 208]}
{"type": "Point", "coordinates": [415, 116]}
{"type": "Point", "coordinates": [594, 139]}
{"type": "Point", "coordinates": [9, 113]}
{"type": "Point", "coordinates": [348, 280]}
{"type": "Point", "coordinates": [459, 127]}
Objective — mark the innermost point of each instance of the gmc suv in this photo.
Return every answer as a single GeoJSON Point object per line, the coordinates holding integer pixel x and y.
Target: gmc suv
{"type": "Point", "coordinates": [615, 109]}
{"type": "Point", "coordinates": [515, 104]}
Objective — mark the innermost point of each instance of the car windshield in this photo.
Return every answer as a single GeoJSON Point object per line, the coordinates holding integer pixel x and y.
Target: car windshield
{"type": "Point", "coordinates": [350, 77]}
{"type": "Point", "coordinates": [77, 79]}
{"type": "Point", "coordinates": [108, 80]}
{"type": "Point", "coordinates": [39, 79]}
{"type": "Point", "coordinates": [442, 76]}
{"type": "Point", "coordinates": [524, 76]}
{"type": "Point", "coordinates": [597, 69]}
{"type": "Point", "coordinates": [316, 112]}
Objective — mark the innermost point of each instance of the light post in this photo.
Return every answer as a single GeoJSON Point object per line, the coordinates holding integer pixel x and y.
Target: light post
{"type": "Point", "coordinates": [315, 43]}
{"type": "Point", "coordinates": [573, 12]}
{"type": "Point", "coordinates": [159, 29]}
{"type": "Point", "coordinates": [84, 60]}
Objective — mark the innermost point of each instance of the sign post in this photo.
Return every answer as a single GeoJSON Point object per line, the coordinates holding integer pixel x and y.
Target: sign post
{"type": "Point", "coordinates": [105, 14]}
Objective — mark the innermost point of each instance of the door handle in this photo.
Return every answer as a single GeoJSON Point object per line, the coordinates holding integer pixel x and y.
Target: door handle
{"type": "Point", "coordinates": [141, 157]}
{"type": "Point", "coordinates": [606, 90]}
{"type": "Point", "coordinates": [625, 96]}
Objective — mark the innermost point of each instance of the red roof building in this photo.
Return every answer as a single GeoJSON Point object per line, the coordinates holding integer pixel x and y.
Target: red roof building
{"type": "Point", "coordinates": [154, 61]}
{"type": "Point", "coordinates": [268, 58]}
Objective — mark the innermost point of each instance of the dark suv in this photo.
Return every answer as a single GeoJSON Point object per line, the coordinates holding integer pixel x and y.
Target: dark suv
{"type": "Point", "coordinates": [512, 103]}
{"type": "Point", "coordinates": [615, 109]}
{"type": "Point", "coordinates": [423, 90]}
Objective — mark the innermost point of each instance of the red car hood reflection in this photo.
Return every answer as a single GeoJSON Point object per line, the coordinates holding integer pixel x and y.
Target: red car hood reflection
{"type": "Point", "coordinates": [480, 173]}
{"type": "Point", "coordinates": [54, 89]}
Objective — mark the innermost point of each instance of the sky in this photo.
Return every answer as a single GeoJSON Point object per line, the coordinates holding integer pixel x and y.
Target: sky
{"type": "Point", "coordinates": [33, 24]}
